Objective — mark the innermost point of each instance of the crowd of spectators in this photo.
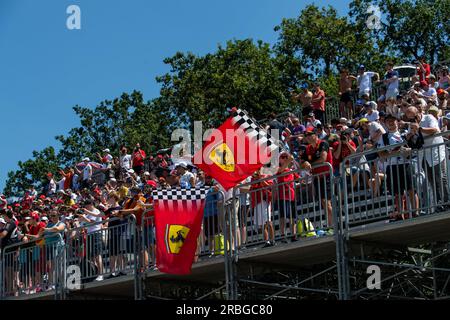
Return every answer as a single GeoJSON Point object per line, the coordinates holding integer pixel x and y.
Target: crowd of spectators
{"type": "Point", "coordinates": [86, 195]}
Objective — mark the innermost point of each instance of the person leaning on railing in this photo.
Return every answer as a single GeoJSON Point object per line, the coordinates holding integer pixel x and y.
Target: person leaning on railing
{"type": "Point", "coordinates": [54, 243]}
{"type": "Point", "coordinates": [398, 169]}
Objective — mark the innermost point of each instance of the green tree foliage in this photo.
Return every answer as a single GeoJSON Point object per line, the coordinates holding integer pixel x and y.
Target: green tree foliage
{"type": "Point", "coordinates": [242, 74]}
{"type": "Point", "coordinates": [124, 121]}
{"type": "Point", "coordinates": [410, 28]}
{"type": "Point", "coordinates": [32, 172]}
{"type": "Point", "coordinates": [251, 75]}
{"type": "Point", "coordinates": [322, 42]}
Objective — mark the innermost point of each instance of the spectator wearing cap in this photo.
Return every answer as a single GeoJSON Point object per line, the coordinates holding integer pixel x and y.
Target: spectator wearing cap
{"type": "Point", "coordinates": [398, 168]}
{"type": "Point", "coordinates": [432, 82]}
{"type": "Point", "coordinates": [106, 159]}
{"type": "Point", "coordinates": [359, 111]}
{"type": "Point", "coordinates": [187, 178]}
{"type": "Point", "coordinates": [446, 123]}
{"type": "Point", "coordinates": [51, 188]}
{"type": "Point", "coordinates": [33, 228]}
{"type": "Point", "coordinates": [371, 114]}
{"type": "Point", "coordinates": [345, 96]}
{"type": "Point", "coordinates": [86, 173]}
{"type": "Point", "coordinates": [318, 154]}
{"type": "Point", "coordinates": [364, 80]}
{"type": "Point", "coordinates": [138, 159]}
{"type": "Point", "coordinates": [124, 161]}
{"type": "Point", "coordinates": [318, 102]}
{"type": "Point", "coordinates": [93, 217]}
{"type": "Point", "coordinates": [116, 226]}
{"type": "Point", "coordinates": [435, 163]}
{"type": "Point", "coordinates": [391, 81]}
{"type": "Point", "coordinates": [54, 243]}
{"type": "Point", "coordinates": [311, 121]}
{"type": "Point", "coordinates": [427, 92]}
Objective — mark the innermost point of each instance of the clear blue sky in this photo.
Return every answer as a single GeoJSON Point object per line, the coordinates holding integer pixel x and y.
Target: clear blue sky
{"type": "Point", "coordinates": [46, 69]}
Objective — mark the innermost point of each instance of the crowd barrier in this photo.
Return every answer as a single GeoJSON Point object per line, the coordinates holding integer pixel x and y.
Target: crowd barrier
{"type": "Point", "coordinates": [402, 186]}
{"type": "Point", "coordinates": [371, 188]}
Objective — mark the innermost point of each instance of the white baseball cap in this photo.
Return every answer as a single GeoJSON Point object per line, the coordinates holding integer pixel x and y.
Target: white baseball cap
{"type": "Point", "coordinates": [106, 150]}
{"type": "Point", "coordinates": [2, 221]}
{"type": "Point", "coordinates": [86, 159]}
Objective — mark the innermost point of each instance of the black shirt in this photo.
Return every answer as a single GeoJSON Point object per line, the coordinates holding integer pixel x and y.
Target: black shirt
{"type": "Point", "coordinates": [11, 235]}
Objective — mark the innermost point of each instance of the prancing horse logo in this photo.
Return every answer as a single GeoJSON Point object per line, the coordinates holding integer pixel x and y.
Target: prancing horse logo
{"type": "Point", "coordinates": [175, 237]}
{"type": "Point", "coordinates": [222, 156]}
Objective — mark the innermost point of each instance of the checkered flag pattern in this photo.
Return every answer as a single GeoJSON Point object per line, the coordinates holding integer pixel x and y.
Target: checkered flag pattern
{"type": "Point", "coordinates": [180, 194]}
{"type": "Point", "coordinates": [251, 128]}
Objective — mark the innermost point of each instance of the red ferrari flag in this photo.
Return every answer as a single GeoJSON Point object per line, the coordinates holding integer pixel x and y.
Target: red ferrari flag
{"type": "Point", "coordinates": [235, 150]}
{"type": "Point", "coordinates": [178, 219]}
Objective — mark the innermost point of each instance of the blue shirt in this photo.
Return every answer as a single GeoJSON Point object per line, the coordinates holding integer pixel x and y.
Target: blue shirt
{"type": "Point", "coordinates": [211, 206]}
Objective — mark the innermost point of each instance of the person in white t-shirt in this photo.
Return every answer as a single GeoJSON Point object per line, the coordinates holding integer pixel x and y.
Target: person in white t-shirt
{"type": "Point", "coordinates": [86, 173]}
{"type": "Point", "coordinates": [371, 115]}
{"type": "Point", "coordinates": [364, 80]}
{"type": "Point", "coordinates": [311, 121]}
{"type": "Point", "coordinates": [187, 179]}
{"type": "Point", "coordinates": [398, 169]}
{"type": "Point", "coordinates": [124, 160]}
{"type": "Point", "coordinates": [93, 218]}
{"type": "Point", "coordinates": [51, 185]}
{"type": "Point", "coordinates": [428, 92]}
{"type": "Point", "coordinates": [435, 163]}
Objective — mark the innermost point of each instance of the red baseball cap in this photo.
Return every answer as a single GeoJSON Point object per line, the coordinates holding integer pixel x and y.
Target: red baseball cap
{"type": "Point", "coordinates": [59, 201]}
{"type": "Point", "coordinates": [34, 215]}
{"type": "Point", "coordinates": [311, 130]}
{"type": "Point", "coordinates": [152, 183]}
{"type": "Point", "coordinates": [42, 197]}
{"type": "Point", "coordinates": [49, 174]}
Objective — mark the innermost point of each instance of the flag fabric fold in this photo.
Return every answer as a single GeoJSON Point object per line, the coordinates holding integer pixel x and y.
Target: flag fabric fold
{"type": "Point", "coordinates": [235, 150]}
{"type": "Point", "coordinates": [178, 219]}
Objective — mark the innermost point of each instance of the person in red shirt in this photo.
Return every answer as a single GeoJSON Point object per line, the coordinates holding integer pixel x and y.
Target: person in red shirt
{"type": "Point", "coordinates": [284, 198]}
{"type": "Point", "coordinates": [423, 70]}
{"type": "Point", "coordinates": [342, 148]}
{"type": "Point", "coordinates": [69, 178]}
{"type": "Point", "coordinates": [137, 206]}
{"type": "Point", "coordinates": [318, 154]}
{"type": "Point", "coordinates": [318, 102]}
{"type": "Point", "coordinates": [261, 198]}
{"type": "Point", "coordinates": [137, 159]}
{"type": "Point", "coordinates": [34, 226]}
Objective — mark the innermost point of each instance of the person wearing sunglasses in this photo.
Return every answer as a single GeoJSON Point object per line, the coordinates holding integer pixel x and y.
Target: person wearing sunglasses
{"type": "Point", "coordinates": [284, 199]}
{"type": "Point", "coordinates": [54, 244]}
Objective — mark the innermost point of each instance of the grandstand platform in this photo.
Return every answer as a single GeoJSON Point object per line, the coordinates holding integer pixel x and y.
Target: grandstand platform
{"type": "Point", "coordinates": [307, 252]}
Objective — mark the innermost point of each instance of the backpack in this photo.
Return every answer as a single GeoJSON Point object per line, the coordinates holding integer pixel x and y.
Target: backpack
{"type": "Point", "coordinates": [305, 228]}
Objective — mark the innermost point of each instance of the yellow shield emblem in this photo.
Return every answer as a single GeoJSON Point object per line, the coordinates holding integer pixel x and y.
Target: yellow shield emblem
{"type": "Point", "coordinates": [222, 156]}
{"type": "Point", "coordinates": [175, 237]}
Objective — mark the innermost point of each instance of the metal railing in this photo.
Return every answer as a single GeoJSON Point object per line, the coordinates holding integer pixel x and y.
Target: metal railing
{"type": "Point", "coordinates": [374, 186]}
{"type": "Point", "coordinates": [393, 183]}
{"type": "Point", "coordinates": [284, 207]}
